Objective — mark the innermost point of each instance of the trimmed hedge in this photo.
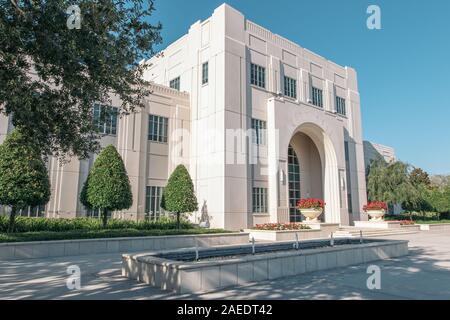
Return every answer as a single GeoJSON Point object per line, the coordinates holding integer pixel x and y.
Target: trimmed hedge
{"type": "Point", "coordinates": [96, 234]}
{"type": "Point", "coordinates": [25, 224]}
{"type": "Point", "coordinates": [425, 216]}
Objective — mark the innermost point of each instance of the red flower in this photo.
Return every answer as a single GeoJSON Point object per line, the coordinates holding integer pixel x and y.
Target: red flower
{"type": "Point", "coordinates": [311, 203]}
{"type": "Point", "coordinates": [281, 226]}
{"type": "Point", "coordinates": [375, 205]}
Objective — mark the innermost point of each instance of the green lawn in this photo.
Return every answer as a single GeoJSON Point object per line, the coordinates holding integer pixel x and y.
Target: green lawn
{"type": "Point", "coordinates": [95, 234]}
{"type": "Point", "coordinates": [431, 221]}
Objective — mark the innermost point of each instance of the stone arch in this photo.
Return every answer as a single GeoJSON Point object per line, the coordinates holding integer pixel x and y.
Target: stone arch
{"type": "Point", "coordinates": [329, 173]}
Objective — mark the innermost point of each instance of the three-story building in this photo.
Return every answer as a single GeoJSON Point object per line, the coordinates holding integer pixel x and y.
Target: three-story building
{"type": "Point", "coordinates": [259, 122]}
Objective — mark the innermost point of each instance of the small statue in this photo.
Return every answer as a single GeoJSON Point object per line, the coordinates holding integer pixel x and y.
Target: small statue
{"type": "Point", "coordinates": [204, 220]}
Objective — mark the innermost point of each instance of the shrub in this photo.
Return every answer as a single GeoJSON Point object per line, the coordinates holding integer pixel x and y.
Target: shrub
{"type": "Point", "coordinates": [96, 234]}
{"type": "Point", "coordinates": [25, 224]}
{"type": "Point", "coordinates": [281, 226]}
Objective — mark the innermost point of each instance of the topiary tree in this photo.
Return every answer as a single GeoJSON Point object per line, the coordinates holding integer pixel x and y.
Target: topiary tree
{"type": "Point", "coordinates": [179, 196]}
{"type": "Point", "coordinates": [83, 194]}
{"type": "Point", "coordinates": [107, 187]}
{"type": "Point", "coordinates": [23, 176]}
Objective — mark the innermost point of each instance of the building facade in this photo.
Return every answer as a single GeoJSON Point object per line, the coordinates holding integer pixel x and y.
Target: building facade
{"type": "Point", "coordinates": [375, 151]}
{"type": "Point", "coordinates": [259, 122]}
{"type": "Point", "coordinates": [378, 152]}
{"type": "Point", "coordinates": [140, 138]}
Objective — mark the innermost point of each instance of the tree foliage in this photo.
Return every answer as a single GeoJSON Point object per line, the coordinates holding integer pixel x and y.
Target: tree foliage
{"type": "Point", "coordinates": [179, 196]}
{"type": "Point", "coordinates": [420, 177]}
{"type": "Point", "coordinates": [395, 183]}
{"type": "Point", "coordinates": [23, 175]}
{"type": "Point", "coordinates": [439, 199]}
{"type": "Point", "coordinates": [107, 186]}
{"type": "Point", "coordinates": [74, 68]}
{"type": "Point", "coordinates": [391, 183]}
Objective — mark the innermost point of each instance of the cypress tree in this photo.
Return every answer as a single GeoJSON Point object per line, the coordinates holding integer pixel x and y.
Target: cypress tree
{"type": "Point", "coordinates": [23, 175]}
{"type": "Point", "coordinates": [179, 196]}
{"type": "Point", "coordinates": [107, 187]}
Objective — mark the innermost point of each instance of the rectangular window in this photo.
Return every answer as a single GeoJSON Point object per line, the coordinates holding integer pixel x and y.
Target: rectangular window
{"type": "Point", "coordinates": [105, 119]}
{"type": "Point", "coordinates": [153, 196]}
{"type": "Point", "coordinates": [290, 87]}
{"type": "Point", "coordinates": [259, 200]}
{"type": "Point", "coordinates": [258, 75]}
{"type": "Point", "coordinates": [340, 106]}
{"type": "Point", "coordinates": [175, 83]}
{"type": "Point", "coordinates": [349, 181]}
{"type": "Point", "coordinates": [205, 72]}
{"type": "Point", "coordinates": [317, 99]}
{"type": "Point", "coordinates": [157, 128]}
{"type": "Point", "coordinates": [259, 132]}
{"type": "Point", "coordinates": [96, 213]}
{"type": "Point", "coordinates": [33, 212]}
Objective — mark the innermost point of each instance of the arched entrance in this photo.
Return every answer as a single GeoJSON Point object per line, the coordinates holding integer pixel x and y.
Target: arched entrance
{"type": "Point", "coordinates": [312, 172]}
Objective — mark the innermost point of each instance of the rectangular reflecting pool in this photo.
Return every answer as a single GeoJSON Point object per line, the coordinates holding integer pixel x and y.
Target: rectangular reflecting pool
{"type": "Point", "coordinates": [208, 269]}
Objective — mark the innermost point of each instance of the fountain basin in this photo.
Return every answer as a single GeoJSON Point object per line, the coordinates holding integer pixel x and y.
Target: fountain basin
{"type": "Point", "coordinates": [228, 266]}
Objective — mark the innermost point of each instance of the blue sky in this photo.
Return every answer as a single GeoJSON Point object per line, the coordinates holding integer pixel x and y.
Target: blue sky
{"type": "Point", "coordinates": [403, 69]}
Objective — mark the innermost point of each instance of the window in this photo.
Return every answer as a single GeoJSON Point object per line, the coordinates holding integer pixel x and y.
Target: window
{"type": "Point", "coordinates": [317, 97]}
{"type": "Point", "coordinates": [259, 200]}
{"type": "Point", "coordinates": [294, 185]}
{"type": "Point", "coordinates": [290, 87]}
{"type": "Point", "coordinates": [175, 83]}
{"type": "Point", "coordinates": [153, 197]}
{"type": "Point", "coordinates": [258, 75]}
{"type": "Point", "coordinates": [340, 106]}
{"type": "Point", "coordinates": [205, 73]}
{"type": "Point", "coordinates": [97, 213]}
{"type": "Point", "coordinates": [33, 212]}
{"type": "Point", "coordinates": [105, 119]}
{"type": "Point", "coordinates": [157, 128]}
{"type": "Point", "coordinates": [258, 132]}
{"type": "Point", "coordinates": [349, 181]}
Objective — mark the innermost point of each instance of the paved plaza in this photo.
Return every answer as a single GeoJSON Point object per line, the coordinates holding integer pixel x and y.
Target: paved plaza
{"type": "Point", "coordinates": [423, 274]}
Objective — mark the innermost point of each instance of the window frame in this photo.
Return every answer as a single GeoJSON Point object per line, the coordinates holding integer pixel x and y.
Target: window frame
{"type": "Point", "coordinates": [153, 197]}
{"type": "Point", "coordinates": [108, 125]}
{"type": "Point", "coordinates": [175, 83]}
{"type": "Point", "coordinates": [259, 200]}
{"type": "Point", "coordinates": [317, 97]}
{"type": "Point", "coordinates": [259, 132]}
{"type": "Point", "coordinates": [158, 129]}
{"type": "Point", "coordinates": [257, 75]}
{"type": "Point", "coordinates": [290, 87]}
{"type": "Point", "coordinates": [205, 73]}
{"type": "Point", "coordinates": [341, 107]}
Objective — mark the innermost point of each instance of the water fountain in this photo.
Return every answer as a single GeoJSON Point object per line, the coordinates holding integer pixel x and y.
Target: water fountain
{"type": "Point", "coordinates": [201, 269]}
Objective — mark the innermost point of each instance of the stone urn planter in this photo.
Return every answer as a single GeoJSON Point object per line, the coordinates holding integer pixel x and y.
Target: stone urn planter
{"type": "Point", "coordinates": [311, 214]}
{"type": "Point", "coordinates": [376, 215]}
{"type": "Point", "coordinates": [376, 210]}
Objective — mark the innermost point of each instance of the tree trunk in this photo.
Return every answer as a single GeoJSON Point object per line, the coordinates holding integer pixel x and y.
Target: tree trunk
{"type": "Point", "coordinates": [105, 217]}
{"type": "Point", "coordinates": [178, 220]}
{"type": "Point", "coordinates": [12, 219]}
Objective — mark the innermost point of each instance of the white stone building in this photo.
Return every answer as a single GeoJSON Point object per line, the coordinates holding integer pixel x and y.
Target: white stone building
{"type": "Point", "coordinates": [375, 151]}
{"type": "Point", "coordinates": [259, 121]}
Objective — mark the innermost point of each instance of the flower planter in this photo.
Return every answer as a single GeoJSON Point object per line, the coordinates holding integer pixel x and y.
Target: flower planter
{"type": "Point", "coordinates": [376, 215]}
{"type": "Point", "coordinates": [311, 214]}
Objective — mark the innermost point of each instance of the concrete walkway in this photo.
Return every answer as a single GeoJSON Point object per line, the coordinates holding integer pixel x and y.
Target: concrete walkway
{"type": "Point", "coordinates": [424, 274]}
